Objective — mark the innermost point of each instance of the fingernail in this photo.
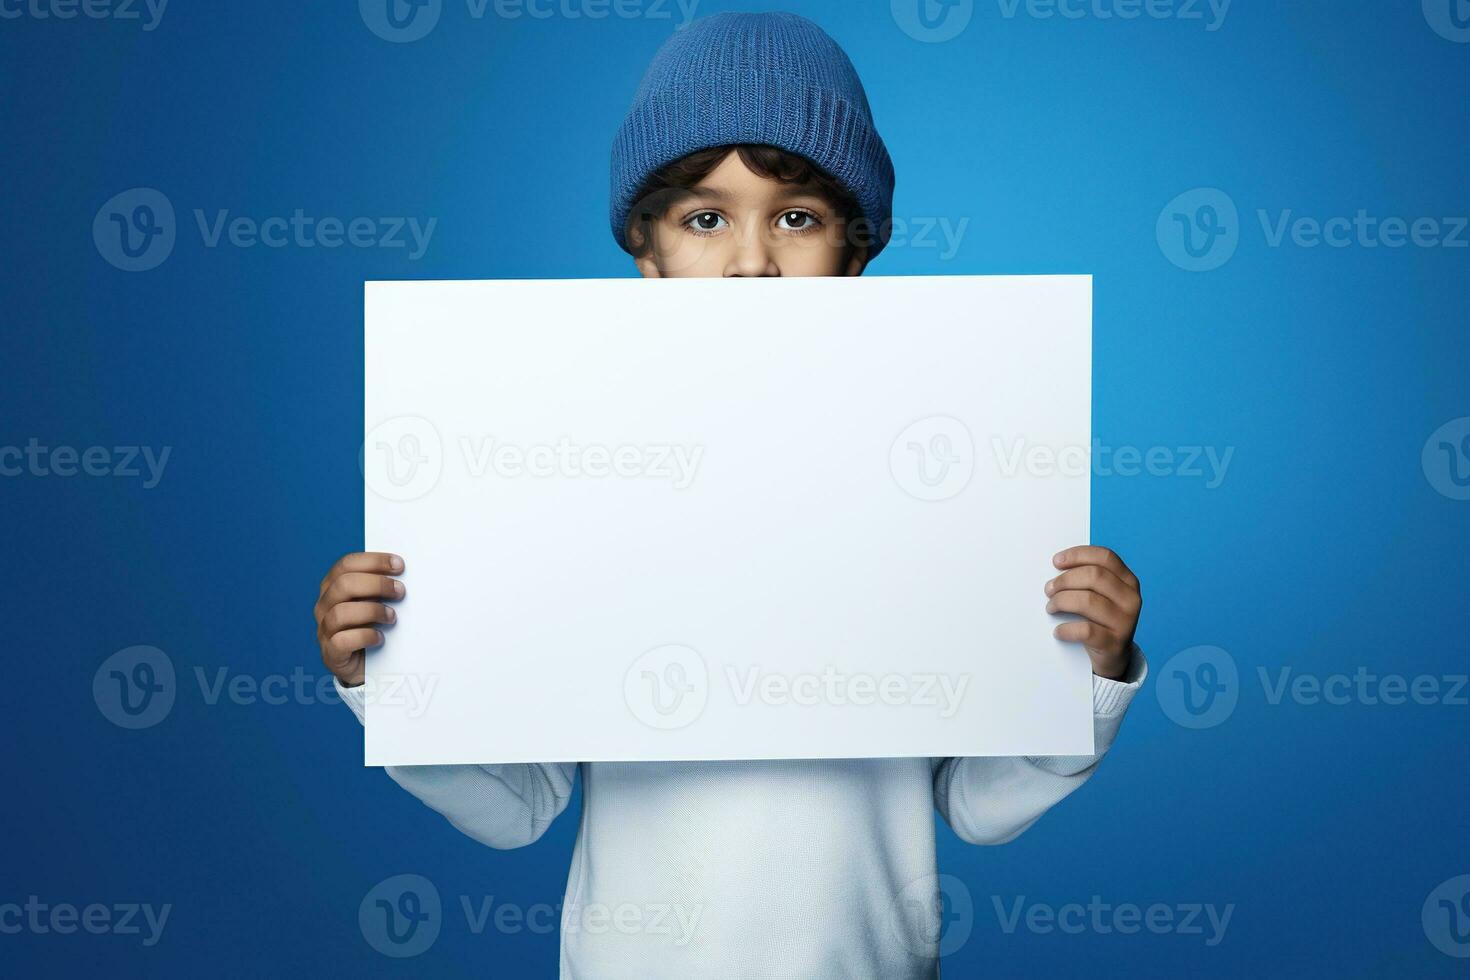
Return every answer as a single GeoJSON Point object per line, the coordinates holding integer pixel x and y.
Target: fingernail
{"type": "Point", "coordinates": [395, 563]}
{"type": "Point", "coordinates": [392, 616]}
{"type": "Point", "coordinates": [398, 589]}
{"type": "Point", "coordinates": [1050, 585]}
{"type": "Point", "coordinates": [1051, 607]}
{"type": "Point", "coordinates": [1056, 559]}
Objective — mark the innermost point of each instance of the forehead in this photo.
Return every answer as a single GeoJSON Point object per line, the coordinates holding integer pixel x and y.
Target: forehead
{"type": "Point", "coordinates": [733, 179]}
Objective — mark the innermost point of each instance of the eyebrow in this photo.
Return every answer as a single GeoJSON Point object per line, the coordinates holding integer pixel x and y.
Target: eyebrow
{"type": "Point", "coordinates": [714, 193]}
{"type": "Point", "coordinates": [787, 191]}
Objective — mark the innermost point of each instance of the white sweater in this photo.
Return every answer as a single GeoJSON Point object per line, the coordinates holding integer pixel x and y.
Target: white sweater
{"type": "Point", "coordinates": [812, 868]}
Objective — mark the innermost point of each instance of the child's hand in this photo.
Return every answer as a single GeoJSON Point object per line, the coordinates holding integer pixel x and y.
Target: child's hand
{"type": "Point", "coordinates": [1097, 586]}
{"type": "Point", "coordinates": [349, 605]}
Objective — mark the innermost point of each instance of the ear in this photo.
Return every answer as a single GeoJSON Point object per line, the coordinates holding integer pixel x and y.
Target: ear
{"type": "Point", "coordinates": [647, 267]}
{"type": "Point", "coordinates": [857, 263]}
{"type": "Point", "coordinates": [645, 261]}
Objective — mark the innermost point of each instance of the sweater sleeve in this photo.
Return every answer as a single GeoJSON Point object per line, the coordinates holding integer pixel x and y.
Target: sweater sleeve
{"type": "Point", "coordinates": [502, 806]}
{"type": "Point", "coordinates": [993, 800]}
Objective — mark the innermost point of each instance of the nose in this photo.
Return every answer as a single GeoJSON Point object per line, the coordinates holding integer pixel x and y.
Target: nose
{"type": "Point", "coordinates": [752, 256]}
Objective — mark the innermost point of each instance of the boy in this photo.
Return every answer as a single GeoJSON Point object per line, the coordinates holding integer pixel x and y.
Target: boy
{"type": "Point", "coordinates": [750, 151]}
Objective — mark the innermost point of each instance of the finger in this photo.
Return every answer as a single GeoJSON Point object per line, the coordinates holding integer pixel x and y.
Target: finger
{"type": "Point", "coordinates": [340, 649]}
{"type": "Point", "coordinates": [1098, 608]}
{"type": "Point", "coordinates": [346, 615]}
{"type": "Point", "coordinates": [1088, 554]}
{"type": "Point", "coordinates": [380, 562]}
{"type": "Point", "coordinates": [360, 585]}
{"type": "Point", "coordinates": [1099, 580]}
{"type": "Point", "coordinates": [1090, 635]}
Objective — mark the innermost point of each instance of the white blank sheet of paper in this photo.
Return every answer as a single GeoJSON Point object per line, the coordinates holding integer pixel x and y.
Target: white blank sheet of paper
{"type": "Point", "coordinates": [726, 519]}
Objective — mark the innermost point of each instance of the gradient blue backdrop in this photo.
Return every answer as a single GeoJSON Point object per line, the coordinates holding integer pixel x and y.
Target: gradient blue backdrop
{"type": "Point", "coordinates": [1060, 141]}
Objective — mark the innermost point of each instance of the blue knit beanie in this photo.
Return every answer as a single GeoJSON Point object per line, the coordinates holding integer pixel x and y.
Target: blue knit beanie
{"type": "Point", "coordinates": [770, 78]}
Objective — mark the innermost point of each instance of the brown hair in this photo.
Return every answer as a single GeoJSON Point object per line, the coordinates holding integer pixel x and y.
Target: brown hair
{"type": "Point", "coordinates": [674, 181]}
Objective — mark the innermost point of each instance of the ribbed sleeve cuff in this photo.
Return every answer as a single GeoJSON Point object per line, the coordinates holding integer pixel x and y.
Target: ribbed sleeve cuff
{"type": "Point", "coordinates": [354, 697]}
{"type": "Point", "coordinates": [1110, 700]}
{"type": "Point", "coordinates": [1112, 697]}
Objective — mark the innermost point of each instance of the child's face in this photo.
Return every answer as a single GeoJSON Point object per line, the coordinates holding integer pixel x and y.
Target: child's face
{"type": "Point", "coordinates": [736, 223]}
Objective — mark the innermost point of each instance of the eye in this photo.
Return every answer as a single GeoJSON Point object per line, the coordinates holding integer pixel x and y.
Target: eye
{"type": "Point", "coordinates": [705, 222]}
{"type": "Point", "coordinates": [798, 221]}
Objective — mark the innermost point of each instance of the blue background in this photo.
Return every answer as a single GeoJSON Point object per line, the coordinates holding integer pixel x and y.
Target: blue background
{"type": "Point", "coordinates": [1325, 549]}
